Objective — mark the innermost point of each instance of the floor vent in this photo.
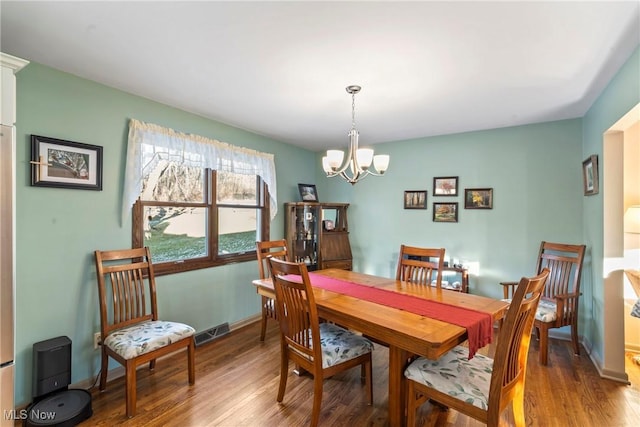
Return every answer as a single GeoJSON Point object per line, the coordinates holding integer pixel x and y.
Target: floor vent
{"type": "Point", "coordinates": [212, 334]}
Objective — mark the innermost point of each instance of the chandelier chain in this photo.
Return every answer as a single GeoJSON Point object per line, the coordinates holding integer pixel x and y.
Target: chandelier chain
{"type": "Point", "coordinates": [353, 111]}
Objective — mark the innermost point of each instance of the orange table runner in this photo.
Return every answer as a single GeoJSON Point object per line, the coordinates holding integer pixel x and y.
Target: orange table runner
{"type": "Point", "coordinates": [479, 325]}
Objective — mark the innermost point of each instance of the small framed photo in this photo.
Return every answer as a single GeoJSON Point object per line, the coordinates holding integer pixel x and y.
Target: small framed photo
{"type": "Point", "coordinates": [308, 192]}
{"type": "Point", "coordinates": [329, 225]}
{"type": "Point", "coordinates": [478, 198]}
{"type": "Point", "coordinates": [445, 186]}
{"type": "Point", "coordinates": [445, 212]}
{"type": "Point", "coordinates": [415, 199]}
{"type": "Point", "coordinates": [65, 164]}
{"type": "Point", "coordinates": [590, 175]}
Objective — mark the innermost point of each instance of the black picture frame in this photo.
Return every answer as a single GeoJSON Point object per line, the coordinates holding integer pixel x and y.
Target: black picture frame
{"type": "Point", "coordinates": [415, 199]}
{"type": "Point", "coordinates": [590, 175]}
{"type": "Point", "coordinates": [445, 212]}
{"type": "Point", "coordinates": [478, 198]}
{"type": "Point", "coordinates": [445, 186]}
{"type": "Point", "coordinates": [65, 164]}
{"type": "Point", "coordinates": [308, 192]}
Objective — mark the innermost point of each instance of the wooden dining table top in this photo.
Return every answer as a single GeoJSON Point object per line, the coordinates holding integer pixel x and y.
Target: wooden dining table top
{"type": "Point", "coordinates": [413, 332]}
{"type": "Point", "coordinates": [405, 333]}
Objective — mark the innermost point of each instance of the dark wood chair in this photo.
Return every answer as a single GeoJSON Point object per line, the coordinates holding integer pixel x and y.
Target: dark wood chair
{"type": "Point", "coordinates": [417, 265]}
{"type": "Point", "coordinates": [322, 349]}
{"type": "Point", "coordinates": [560, 301]}
{"type": "Point", "coordinates": [131, 331]}
{"type": "Point", "coordinates": [482, 387]}
{"type": "Point", "coordinates": [264, 250]}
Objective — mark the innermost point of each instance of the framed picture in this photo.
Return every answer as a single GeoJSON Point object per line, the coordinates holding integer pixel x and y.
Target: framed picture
{"type": "Point", "coordinates": [308, 192]}
{"type": "Point", "coordinates": [445, 186]}
{"type": "Point", "coordinates": [415, 199]}
{"type": "Point", "coordinates": [65, 164]}
{"type": "Point", "coordinates": [590, 175]}
{"type": "Point", "coordinates": [445, 212]}
{"type": "Point", "coordinates": [478, 198]}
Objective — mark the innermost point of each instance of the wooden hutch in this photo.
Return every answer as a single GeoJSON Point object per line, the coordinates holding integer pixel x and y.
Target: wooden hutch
{"type": "Point", "coordinates": [318, 234]}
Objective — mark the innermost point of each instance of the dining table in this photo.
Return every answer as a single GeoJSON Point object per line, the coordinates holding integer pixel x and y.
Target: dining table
{"type": "Point", "coordinates": [406, 333]}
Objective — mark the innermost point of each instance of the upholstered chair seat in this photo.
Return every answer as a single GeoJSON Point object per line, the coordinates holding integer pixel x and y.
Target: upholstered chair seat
{"type": "Point", "coordinates": [455, 375]}
{"type": "Point", "coordinates": [136, 340]}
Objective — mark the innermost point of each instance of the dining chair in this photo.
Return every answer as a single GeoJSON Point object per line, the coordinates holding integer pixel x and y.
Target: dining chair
{"type": "Point", "coordinates": [482, 387]}
{"type": "Point", "coordinates": [264, 250]}
{"type": "Point", "coordinates": [322, 349]}
{"type": "Point", "coordinates": [131, 332]}
{"type": "Point", "coordinates": [559, 304]}
{"type": "Point", "coordinates": [417, 265]}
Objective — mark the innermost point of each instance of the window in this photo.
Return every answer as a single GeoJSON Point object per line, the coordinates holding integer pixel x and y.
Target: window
{"type": "Point", "coordinates": [197, 203]}
{"type": "Point", "coordinates": [188, 227]}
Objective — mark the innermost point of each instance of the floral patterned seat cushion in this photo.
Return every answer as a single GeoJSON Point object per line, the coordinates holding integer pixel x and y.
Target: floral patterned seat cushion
{"type": "Point", "coordinates": [454, 374]}
{"type": "Point", "coordinates": [144, 337]}
{"type": "Point", "coordinates": [456, 286]}
{"type": "Point", "coordinates": [339, 345]}
{"type": "Point", "coordinates": [546, 311]}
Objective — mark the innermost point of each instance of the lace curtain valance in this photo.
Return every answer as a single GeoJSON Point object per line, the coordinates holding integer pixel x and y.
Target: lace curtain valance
{"type": "Point", "coordinates": [150, 143]}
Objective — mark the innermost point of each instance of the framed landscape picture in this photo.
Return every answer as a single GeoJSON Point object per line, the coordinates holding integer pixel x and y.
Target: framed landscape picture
{"type": "Point", "coordinates": [445, 186]}
{"type": "Point", "coordinates": [308, 192]}
{"type": "Point", "coordinates": [415, 199]}
{"type": "Point", "coordinates": [445, 212]}
{"type": "Point", "coordinates": [478, 198]}
{"type": "Point", "coordinates": [65, 164]}
{"type": "Point", "coordinates": [590, 175]}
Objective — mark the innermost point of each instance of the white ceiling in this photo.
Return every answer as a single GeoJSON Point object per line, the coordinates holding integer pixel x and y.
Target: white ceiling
{"type": "Point", "coordinates": [280, 69]}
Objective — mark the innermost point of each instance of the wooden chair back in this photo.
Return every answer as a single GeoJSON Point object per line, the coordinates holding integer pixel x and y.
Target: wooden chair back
{"type": "Point", "coordinates": [300, 340]}
{"type": "Point", "coordinates": [297, 313]}
{"type": "Point", "coordinates": [127, 293]}
{"type": "Point", "coordinates": [565, 264]}
{"type": "Point", "coordinates": [270, 248]}
{"type": "Point", "coordinates": [126, 288]}
{"type": "Point", "coordinates": [562, 289]}
{"type": "Point", "coordinates": [512, 350]}
{"type": "Point", "coordinates": [417, 265]}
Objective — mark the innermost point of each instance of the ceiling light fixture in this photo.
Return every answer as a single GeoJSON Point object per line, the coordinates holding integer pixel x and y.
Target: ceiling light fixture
{"type": "Point", "coordinates": [358, 159]}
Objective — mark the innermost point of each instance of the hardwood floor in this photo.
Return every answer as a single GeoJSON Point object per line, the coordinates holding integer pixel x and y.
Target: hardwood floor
{"type": "Point", "coordinates": [237, 381]}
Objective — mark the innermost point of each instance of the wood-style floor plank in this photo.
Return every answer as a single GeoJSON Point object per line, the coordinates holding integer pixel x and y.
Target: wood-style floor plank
{"type": "Point", "coordinates": [237, 381]}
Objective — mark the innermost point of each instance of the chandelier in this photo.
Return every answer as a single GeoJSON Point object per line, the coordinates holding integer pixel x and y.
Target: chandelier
{"type": "Point", "coordinates": [358, 159]}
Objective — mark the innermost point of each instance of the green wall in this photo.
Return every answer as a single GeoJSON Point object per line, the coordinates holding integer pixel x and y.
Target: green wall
{"type": "Point", "coordinates": [535, 172]}
{"type": "Point", "coordinates": [621, 95]}
{"type": "Point", "coordinates": [58, 229]}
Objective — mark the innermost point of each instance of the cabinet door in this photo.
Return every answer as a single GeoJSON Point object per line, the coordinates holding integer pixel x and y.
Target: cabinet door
{"type": "Point", "coordinates": [303, 234]}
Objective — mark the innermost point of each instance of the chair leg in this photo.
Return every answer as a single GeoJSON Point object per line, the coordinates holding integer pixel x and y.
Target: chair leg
{"type": "Point", "coordinates": [411, 404]}
{"type": "Point", "coordinates": [318, 381]}
{"type": "Point", "coordinates": [543, 333]}
{"type": "Point", "coordinates": [191, 361]}
{"type": "Point", "coordinates": [263, 325]}
{"type": "Point", "coordinates": [574, 338]}
{"type": "Point", "coordinates": [284, 372]}
{"type": "Point", "coordinates": [104, 367]}
{"type": "Point", "coordinates": [368, 379]}
{"type": "Point", "coordinates": [130, 388]}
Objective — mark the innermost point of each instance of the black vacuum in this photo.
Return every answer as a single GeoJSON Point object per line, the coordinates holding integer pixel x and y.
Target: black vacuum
{"type": "Point", "coordinates": [54, 403]}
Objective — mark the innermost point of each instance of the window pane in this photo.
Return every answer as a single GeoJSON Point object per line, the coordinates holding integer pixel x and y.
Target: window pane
{"type": "Point", "coordinates": [175, 233]}
{"type": "Point", "coordinates": [237, 228]}
{"type": "Point", "coordinates": [237, 189]}
{"type": "Point", "coordinates": [173, 182]}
